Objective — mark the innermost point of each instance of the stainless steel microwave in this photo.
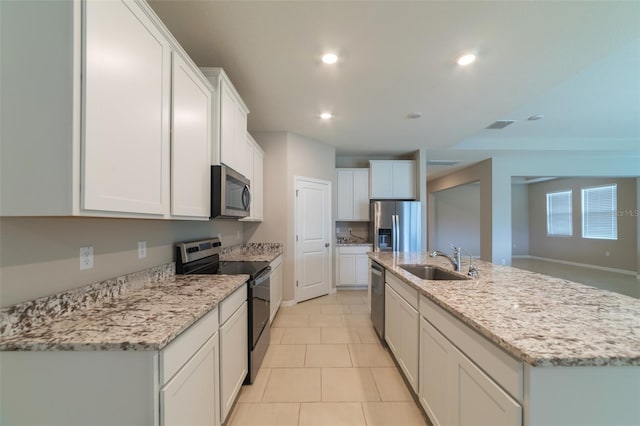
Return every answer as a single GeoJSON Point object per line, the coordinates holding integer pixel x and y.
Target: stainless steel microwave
{"type": "Point", "coordinates": [230, 193]}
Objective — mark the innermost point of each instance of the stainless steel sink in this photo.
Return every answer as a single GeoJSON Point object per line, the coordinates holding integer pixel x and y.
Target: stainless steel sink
{"type": "Point", "coordinates": [428, 272]}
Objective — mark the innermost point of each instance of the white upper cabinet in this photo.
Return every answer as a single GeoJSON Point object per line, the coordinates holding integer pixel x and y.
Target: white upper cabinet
{"type": "Point", "coordinates": [353, 194]}
{"type": "Point", "coordinates": [191, 142]}
{"type": "Point", "coordinates": [229, 144]}
{"type": "Point", "coordinates": [91, 136]}
{"type": "Point", "coordinates": [254, 164]}
{"type": "Point", "coordinates": [393, 179]}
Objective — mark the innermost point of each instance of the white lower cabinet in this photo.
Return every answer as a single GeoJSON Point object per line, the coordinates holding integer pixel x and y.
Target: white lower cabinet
{"type": "Point", "coordinates": [401, 331]}
{"type": "Point", "coordinates": [353, 266]}
{"type": "Point", "coordinates": [189, 396]}
{"type": "Point", "coordinates": [234, 348]}
{"type": "Point", "coordinates": [275, 287]}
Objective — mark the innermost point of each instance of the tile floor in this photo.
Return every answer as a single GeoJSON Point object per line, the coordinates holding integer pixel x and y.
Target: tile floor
{"type": "Point", "coordinates": [326, 366]}
{"type": "Point", "coordinates": [620, 283]}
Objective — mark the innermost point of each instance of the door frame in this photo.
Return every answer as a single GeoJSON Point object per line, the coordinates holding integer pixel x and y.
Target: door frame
{"type": "Point", "coordinates": [296, 268]}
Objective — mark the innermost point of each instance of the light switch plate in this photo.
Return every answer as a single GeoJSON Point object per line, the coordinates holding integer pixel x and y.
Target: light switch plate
{"type": "Point", "coordinates": [86, 258]}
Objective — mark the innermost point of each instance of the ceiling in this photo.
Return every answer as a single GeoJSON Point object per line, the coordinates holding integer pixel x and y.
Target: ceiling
{"type": "Point", "coordinates": [576, 63]}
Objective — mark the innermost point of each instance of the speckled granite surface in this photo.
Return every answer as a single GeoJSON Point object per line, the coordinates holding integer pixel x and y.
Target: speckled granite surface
{"type": "Point", "coordinates": [252, 252]}
{"type": "Point", "coordinates": [145, 318]}
{"type": "Point", "coordinates": [543, 321]}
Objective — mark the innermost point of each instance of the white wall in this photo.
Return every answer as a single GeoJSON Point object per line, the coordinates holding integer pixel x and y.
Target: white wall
{"type": "Point", "coordinates": [288, 155]}
{"type": "Point", "coordinates": [457, 219]}
{"type": "Point", "coordinates": [40, 256]}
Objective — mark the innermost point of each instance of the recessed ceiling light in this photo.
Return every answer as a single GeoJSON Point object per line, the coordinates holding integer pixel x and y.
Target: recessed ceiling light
{"type": "Point", "coordinates": [414, 115]}
{"type": "Point", "coordinates": [466, 59]}
{"type": "Point", "coordinates": [329, 58]}
{"type": "Point", "coordinates": [326, 115]}
{"type": "Point", "coordinates": [536, 117]}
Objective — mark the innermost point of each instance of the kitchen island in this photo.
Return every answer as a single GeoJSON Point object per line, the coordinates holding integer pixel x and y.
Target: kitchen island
{"type": "Point", "coordinates": [552, 351]}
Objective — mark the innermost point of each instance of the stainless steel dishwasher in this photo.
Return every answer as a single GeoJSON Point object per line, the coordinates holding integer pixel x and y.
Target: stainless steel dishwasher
{"type": "Point", "coordinates": [377, 298]}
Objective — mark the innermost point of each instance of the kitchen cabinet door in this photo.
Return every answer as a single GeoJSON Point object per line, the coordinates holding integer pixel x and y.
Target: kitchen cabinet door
{"type": "Point", "coordinates": [436, 375]}
{"type": "Point", "coordinates": [188, 398]}
{"type": "Point", "coordinates": [361, 194]}
{"type": "Point", "coordinates": [393, 179]}
{"type": "Point", "coordinates": [234, 358]}
{"type": "Point", "coordinates": [362, 269]}
{"type": "Point", "coordinates": [227, 126]}
{"type": "Point", "coordinates": [480, 400]}
{"type": "Point", "coordinates": [346, 269]}
{"type": "Point", "coordinates": [257, 185]}
{"type": "Point", "coordinates": [275, 287]}
{"type": "Point", "coordinates": [240, 143]}
{"type": "Point", "coordinates": [190, 145]}
{"type": "Point", "coordinates": [344, 179]}
{"type": "Point", "coordinates": [402, 334]}
{"type": "Point", "coordinates": [126, 111]}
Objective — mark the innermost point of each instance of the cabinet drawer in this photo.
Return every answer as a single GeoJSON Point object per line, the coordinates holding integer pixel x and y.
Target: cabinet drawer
{"type": "Point", "coordinates": [178, 352]}
{"type": "Point", "coordinates": [500, 366]}
{"type": "Point", "coordinates": [407, 292]}
{"type": "Point", "coordinates": [355, 250]}
{"type": "Point", "coordinates": [231, 304]}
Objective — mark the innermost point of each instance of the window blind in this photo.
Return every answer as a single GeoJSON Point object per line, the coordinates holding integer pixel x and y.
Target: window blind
{"type": "Point", "coordinates": [559, 222]}
{"type": "Point", "coordinates": [599, 212]}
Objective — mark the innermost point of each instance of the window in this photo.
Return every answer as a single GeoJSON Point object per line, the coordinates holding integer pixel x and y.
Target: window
{"type": "Point", "coordinates": [599, 217]}
{"type": "Point", "coordinates": [559, 214]}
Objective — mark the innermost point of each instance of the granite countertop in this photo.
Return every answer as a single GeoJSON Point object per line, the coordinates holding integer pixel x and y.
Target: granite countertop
{"type": "Point", "coordinates": [541, 320]}
{"type": "Point", "coordinates": [252, 252]}
{"type": "Point", "coordinates": [146, 318]}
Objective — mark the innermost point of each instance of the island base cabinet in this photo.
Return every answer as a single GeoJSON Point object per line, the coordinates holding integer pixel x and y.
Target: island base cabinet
{"type": "Point", "coordinates": [401, 334]}
{"type": "Point", "coordinates": [454, 391]}
{"type": "Point", "coordinates": [187, 398]}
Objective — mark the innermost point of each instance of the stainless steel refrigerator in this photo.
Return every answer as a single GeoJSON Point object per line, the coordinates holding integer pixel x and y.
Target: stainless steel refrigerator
{"type": "Point", "coordinates": [395, 226]}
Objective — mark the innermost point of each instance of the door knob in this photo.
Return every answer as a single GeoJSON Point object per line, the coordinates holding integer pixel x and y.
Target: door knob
{"type": "Point", "coordinates": [326, 244]}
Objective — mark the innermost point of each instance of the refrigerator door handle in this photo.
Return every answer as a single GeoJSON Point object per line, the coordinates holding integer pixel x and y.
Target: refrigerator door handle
{"type": "Point", "coordinates": [397, 243]}
{"type": "Point", "coordinates": [394, 232]}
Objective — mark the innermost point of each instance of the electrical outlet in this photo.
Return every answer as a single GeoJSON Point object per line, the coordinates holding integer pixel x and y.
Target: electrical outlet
{"type": "Point", "coordinates": [86, 258]}
{"type": "Point", "coordinates": [142, 249]}
{"type": "Point", "coordinates": [337, 230]}
{"type": "Point", "coordinates": [220, 236]}
{"type": "Point", "coordinates": [607, 253]}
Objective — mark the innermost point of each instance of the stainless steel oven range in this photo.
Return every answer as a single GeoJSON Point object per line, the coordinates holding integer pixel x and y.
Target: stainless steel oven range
{"type": "Point", "coordinates": [203, 257]}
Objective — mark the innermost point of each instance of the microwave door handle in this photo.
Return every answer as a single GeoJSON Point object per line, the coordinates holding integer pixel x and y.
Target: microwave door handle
{"type": "Point", "coordinates": [246, 197]}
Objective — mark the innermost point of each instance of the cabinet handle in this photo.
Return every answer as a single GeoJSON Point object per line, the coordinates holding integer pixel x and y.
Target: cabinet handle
{"type": "Point", "coordinates": [326, 244]}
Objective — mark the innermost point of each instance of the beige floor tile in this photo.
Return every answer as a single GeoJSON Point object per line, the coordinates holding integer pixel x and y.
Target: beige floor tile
{"type": "Point", "coordinates": [325, 320]}
{"type": "Point", "coordinates": [331, 414]}
{"type": "Point", "coordinates": [348, 384]}
{"type": "Point", "coordinates": [291, 320]}
{"type": "Point", "coordinates": [357, 320]}
{"type": "Point", "coordinates": [275, 335]}
{"type": "Point", "coordinates": [303, 308]}
{"type": "Point", "coordinates": [264, 415]}
{"type": "Point", "coordinates": [301, 336]}
{"type": "Point", "coordinates": [335, 309]}
{"type": "Point", "coordinates": [390, 385]}
{"type": "Point", "coordinates": [330, 299]}
{"type": "Point", "coordinates": [293, 385]}
{"type": "Point", "coordinates": [359, 309]}
{"type": "Point", "coordinates": [367, 335]}
{"type": "Point", "coordinates": [369, 355]}
{"type": "Point", "coordinates": [339, 335]}
{"type": "Point", "coordinates": [393, 414]}
{"type": "Point", "coordinates": [327, 356]}
{"type": "Point", "coordinates": [284, 356]}
{"type": "Point", "coordinates": [254, 391]}
{"type": "Point", "coordinates": [355, 297]}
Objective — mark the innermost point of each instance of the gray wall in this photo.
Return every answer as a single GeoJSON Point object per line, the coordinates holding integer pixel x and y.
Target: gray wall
{"type": "Point", "coordinates": [457, 219]}
{"type": "Point", "coordinates": [39, 256]}
{"type": "Point", "coordinates": [288, 155]}
{"type": "Point", "coordinates": [520, 219]}
{"type": "Point", "coordinates": [622, 252]}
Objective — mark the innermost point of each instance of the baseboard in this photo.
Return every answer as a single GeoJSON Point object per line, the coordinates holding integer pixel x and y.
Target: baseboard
{"type": "Point", "coordinates": [352, 287]}
{"type": "Point", "coordinates": [584, 265]}
{"type": "Point", "coordinates": [521, 256]}
{"type": "Point", "coordinates": [288, 303]}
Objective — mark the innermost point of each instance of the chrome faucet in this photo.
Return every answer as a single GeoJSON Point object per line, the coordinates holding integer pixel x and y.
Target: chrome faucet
{"type": "Point", "coordinates": [455, 260]}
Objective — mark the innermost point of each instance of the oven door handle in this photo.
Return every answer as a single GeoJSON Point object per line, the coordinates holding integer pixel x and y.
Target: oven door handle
{"type": "Point", "coordinates": [264, 276]}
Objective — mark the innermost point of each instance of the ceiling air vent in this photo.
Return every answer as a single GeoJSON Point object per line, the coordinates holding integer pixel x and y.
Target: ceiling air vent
{"type": "Point", "coordinates": [443, 162]}
{"type": "Point", "coordinates": [500, 124]}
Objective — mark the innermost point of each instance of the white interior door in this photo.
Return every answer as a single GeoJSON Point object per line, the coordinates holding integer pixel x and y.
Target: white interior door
{"type": "Point", "coordinates": [313, 238]}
